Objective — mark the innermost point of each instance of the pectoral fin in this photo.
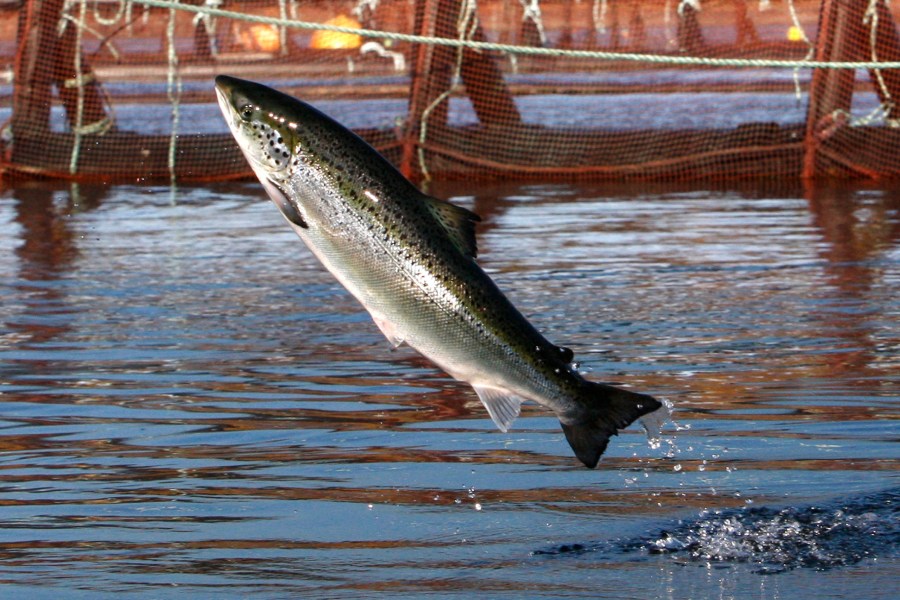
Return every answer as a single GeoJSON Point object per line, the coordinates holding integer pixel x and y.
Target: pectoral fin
{"type": "Point", "coordinates": [284, 204]}
{"type": "Point", "coordinates": [502, 405]}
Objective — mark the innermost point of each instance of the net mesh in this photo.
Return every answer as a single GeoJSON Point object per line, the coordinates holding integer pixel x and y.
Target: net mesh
{"type": "Point", "coordinates": [654, 89]}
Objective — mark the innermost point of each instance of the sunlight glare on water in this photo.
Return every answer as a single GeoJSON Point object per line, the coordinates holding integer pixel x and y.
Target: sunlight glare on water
{"type": "Point", "coordinates": [192, 406]}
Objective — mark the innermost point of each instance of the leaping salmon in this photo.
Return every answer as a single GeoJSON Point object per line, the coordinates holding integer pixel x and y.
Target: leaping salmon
{"type": "Point", "coordinates": [409, 259]}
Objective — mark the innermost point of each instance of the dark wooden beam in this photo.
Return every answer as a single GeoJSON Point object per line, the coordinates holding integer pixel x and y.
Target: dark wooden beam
{"type": "Point", "coordinates": [33, 70]}
{"type": "Point", "coordinates": [841, 36]}
{"type": "Point", "coordinates": [433, 70]}
{"type": "Point", "coordinates": [887, 49]}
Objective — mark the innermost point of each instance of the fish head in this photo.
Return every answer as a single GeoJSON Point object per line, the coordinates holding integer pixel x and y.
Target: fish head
{"type": "Point", "coordinates": [268, 127]}
{"type": "Point", "coordinates": [298, 152]}
{"type": "Point", "coordinates": [262, 121]}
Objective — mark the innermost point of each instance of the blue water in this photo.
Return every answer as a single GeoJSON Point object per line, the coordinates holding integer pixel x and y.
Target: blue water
{"type": "Point", "coordinates": [191, 407]}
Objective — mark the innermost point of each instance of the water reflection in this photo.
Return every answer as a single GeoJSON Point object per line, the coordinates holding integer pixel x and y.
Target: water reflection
{"type": "Point", "coordinates": [46, 251]}
{"type": "Point", "coordinates": [858, 227]}
{"type": "Point", "coordinates": [186, 397]}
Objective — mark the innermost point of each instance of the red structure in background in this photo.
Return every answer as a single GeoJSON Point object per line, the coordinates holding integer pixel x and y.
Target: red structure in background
{"type": "Point", "coordinates": [83, 65]}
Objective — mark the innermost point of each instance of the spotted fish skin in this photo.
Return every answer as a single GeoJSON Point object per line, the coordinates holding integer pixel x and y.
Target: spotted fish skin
{"type": "Point", "coordinates": [410, 261]}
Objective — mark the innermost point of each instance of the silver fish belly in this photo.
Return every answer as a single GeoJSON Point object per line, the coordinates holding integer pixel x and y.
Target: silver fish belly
{"type": "Point", "coordinates": [410, 261]}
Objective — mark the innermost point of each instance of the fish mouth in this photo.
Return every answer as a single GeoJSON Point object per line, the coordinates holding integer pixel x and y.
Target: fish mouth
{"type": "Point", "coordinates": [226, 89]}
{"type": "Point", "coordinates": [224, 94]}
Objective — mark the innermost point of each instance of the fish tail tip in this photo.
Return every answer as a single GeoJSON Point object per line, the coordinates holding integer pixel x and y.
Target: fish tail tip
{"type": "Point", "coordinates": [609, 409]}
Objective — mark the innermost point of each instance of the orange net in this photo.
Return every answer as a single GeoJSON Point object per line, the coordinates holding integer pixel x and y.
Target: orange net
{"type": "Point", "coordinates": [122, 90]}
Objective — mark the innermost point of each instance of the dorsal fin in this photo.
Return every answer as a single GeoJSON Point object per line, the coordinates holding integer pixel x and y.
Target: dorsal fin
{"type": "Point", "coordinates": [458, 222]}
{"type": "Point", "coordinates": [555, 353]}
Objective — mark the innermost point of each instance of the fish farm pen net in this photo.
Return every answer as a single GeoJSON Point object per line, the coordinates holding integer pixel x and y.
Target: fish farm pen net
{"type": "Point", "coordinates": [122, 90]}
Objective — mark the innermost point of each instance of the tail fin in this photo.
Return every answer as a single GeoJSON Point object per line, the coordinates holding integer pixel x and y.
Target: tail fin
{"type": "Point", "coordinates": [608, 409]}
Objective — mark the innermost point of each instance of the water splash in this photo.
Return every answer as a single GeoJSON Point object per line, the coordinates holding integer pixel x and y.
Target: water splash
{"type": "Point", "coordinates": [653, 426]}
{"type": "Point", "coordinates": [777, 540]}
{"type": "Point", "coordinates": [774, 540]}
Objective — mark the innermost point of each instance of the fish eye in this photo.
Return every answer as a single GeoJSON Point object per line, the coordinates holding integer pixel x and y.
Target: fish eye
{"type": "Point", "coordinates": [247, 112]}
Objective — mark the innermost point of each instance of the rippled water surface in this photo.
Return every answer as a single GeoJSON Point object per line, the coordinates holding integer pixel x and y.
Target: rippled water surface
{"type": "Point", "coordinates": [191, 407]}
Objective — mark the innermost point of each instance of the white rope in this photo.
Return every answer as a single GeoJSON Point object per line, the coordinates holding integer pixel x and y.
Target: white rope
{"type": "Point", "coordinates": [209, 23]}
{"type": "Point", "coordinates": [795, 19]}
{"type": "Point", "coordinates": [810, 50]}
{"type": "Point", "coordinates": [83, 26]}
{"type": "Point", "coordinates": [109, 20]}
{"type": "Point", "coordinates": [79, 111]}
{"type": "Point", "coordinates": [694, 4]}
{"type": "Point", "coordinates": [129, 12]}
{"type": "Point", "coordinates": [532, 11]}
{"type": "Point", "coordinates": [364, 7]}
{"type": "Point", "coordinates": [96, 128]}
{"type": "Point", "coordinates": [173, 92]}
{"type": "Point", "coordinates": [282, 29]}
{"type": "Point", "coordinates": [79, 128]}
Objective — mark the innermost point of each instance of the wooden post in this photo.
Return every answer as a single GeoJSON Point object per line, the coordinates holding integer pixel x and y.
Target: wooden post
{"type": "Point", "coordinates": [33, 68]}
{"type": "Point", "coordinates": [746, 30]}
{"type": "Point", "coordinates": [432, 75]}
{"type": "Point", "coordinates": [432, 71]}
{"type": "Point", "coordinates": [839, 38]}
{"type": "Point", "coordinates": [43, 59]}
{"type": "Point", "coordinates": [566, 39]}
{"type": "Point", "coordinates": [637, 31]}
{"type": "Point", "coordinates": [690, 36]}
{"type": "Point", "coordinates": [615, 28]}
{"type": "Point", "coordinates": [887, 49]}
{"type": "Point", "coordinates": [493, 104]}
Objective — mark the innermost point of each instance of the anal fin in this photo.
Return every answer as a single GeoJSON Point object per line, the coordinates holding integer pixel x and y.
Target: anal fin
{"type": "Point", "coordinates": [502, 405]}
